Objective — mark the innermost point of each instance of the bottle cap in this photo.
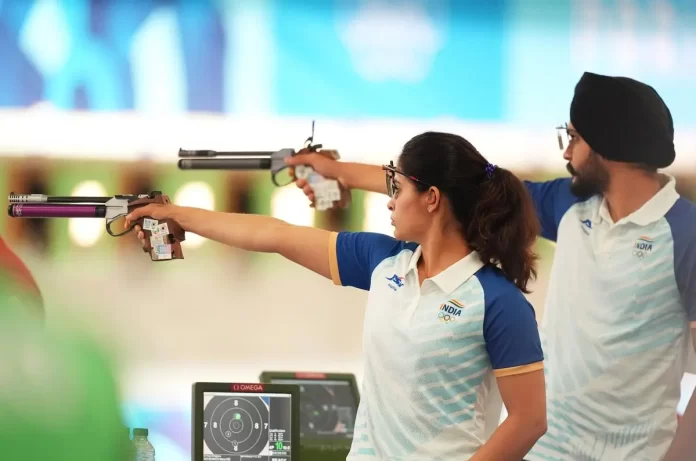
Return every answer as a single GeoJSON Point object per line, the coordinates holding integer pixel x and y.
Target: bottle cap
{"type": "Point", "coordinates": [140, 431]}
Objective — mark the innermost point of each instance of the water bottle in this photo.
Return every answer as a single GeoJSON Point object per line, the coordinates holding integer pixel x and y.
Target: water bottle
{"type": "Point", "coordinates": [144, 451]}
{"type": "Point", "coordinates": [130, 451]}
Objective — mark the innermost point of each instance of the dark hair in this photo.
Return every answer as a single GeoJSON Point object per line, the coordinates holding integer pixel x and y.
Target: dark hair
{"type": "Point", "coordinates": [491, 204]}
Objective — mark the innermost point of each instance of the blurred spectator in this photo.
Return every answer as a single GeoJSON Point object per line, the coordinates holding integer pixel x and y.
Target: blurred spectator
{"type": "Point", "coordinates": [18, 289]}
{"type": "Point", "coordinates": [58, 396]}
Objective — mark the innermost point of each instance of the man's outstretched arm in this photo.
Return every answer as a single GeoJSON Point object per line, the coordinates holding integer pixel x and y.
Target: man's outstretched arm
{"type": "Point", "coordinates": [350, 175]}
{"type": "Point", "coordinates": [551, 198]}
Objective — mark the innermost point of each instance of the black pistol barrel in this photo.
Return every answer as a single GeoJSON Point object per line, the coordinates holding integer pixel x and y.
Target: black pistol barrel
{"type": "Point", "coordinates": [225, 164]}
{"type": "Point", "coordinates": [206, 153]}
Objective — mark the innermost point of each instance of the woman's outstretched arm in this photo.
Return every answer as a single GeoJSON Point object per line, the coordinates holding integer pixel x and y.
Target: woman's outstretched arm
{"type": "Point", "coordinates": [306, 246]}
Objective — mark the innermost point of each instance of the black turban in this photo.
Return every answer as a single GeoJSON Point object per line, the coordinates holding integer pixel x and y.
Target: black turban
{"type": "Point", "coordinates": [623, 120]}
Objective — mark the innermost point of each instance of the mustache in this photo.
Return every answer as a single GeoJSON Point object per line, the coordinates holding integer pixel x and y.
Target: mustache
{"type": "Point", "coordinates": [571, 170]}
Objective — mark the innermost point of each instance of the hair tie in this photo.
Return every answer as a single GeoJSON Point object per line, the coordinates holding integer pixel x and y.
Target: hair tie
{"type": "Point", "coordinates": [490, 168]}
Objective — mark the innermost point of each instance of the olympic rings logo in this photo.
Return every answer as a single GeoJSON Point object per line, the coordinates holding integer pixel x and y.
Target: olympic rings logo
{"type": "Point", "coordinates": [445, 318]}
{"type": "Point", "coordinates": [643, 247]}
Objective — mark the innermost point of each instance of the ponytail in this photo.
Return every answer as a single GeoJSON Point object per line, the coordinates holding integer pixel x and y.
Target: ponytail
{"type": "Point", "coordinates": [503, 226]}
{"type": "Point", "coordinates": [492, 206]}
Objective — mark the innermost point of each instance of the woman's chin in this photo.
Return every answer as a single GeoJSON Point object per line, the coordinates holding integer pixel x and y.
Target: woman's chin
{"type": "Point", "coordinates": [399, 235]}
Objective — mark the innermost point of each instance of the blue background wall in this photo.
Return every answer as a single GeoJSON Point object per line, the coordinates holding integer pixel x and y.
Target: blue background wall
{"type": "Point", "coordinates": [499, 60]}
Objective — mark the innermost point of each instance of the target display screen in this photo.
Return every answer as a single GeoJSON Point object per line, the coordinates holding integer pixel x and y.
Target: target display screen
{"type": "Point", "coordinates": [245, 426]}
{"type": "Point", "coordinates": [327, 408]}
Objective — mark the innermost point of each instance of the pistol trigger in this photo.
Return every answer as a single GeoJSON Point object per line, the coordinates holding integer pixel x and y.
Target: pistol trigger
{"type": "Point", "coordinates": [110, 221]}
{"type": "Point", "coordinates": [108, 227]}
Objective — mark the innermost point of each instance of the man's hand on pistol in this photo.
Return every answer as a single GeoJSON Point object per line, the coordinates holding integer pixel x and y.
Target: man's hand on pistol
{"type": "Point", "coordinates": [323, 165]}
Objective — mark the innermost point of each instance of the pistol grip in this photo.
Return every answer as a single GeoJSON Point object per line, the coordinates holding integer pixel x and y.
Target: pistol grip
{"type": "Point", "coordinates": [162, 238]}
{"type": "Point", "coordinates": [163, 243]}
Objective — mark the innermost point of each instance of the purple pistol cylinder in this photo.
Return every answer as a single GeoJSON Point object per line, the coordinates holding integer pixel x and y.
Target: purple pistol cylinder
{"type": "Point", "coordinates": [43, 210]}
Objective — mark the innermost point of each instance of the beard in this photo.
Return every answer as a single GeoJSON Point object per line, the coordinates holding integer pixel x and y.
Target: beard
{"type": "Point", "coordinates": [589, 180]}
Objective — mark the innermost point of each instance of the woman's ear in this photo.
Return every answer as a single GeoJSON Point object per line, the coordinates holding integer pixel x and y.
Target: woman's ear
{"type": "Point", "coordinates": [433, 199]}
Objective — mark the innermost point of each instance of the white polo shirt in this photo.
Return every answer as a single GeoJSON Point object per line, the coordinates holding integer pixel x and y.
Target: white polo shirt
{"type": "Point", "coordinates": [431, 351]}
{"type": "Point", "coordinates": [616, 327]}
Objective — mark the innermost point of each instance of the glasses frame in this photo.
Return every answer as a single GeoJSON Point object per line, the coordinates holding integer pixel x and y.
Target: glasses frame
{"type": "Point", "coordinates": [560, 130]}
{"type": "Point", "coordinates": [390, 173]}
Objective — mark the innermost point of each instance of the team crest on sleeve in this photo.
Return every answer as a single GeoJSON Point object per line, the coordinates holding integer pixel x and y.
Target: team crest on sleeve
{"type": "Point", "coordinates": [643, 247]}
{"type": "Point", "coordinates": [450, 310]}
{"type": "Point", "coordinates": [395, 282]}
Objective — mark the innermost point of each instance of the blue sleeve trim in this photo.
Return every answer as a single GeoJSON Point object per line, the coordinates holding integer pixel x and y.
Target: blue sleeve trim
{"type": "Point", "coordinates": [552, 199]}
{"type": "Point", "coordinates": [358, 253]}
{"type": "Point", "coordinates": [509, 324]}
{"type": "Point", "coordinates": [682, 220]}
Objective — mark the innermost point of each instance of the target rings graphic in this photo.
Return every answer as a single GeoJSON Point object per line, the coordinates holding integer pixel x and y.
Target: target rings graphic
{"type": "Point", "coordinates": [318, 410]}
{"type": "Point", "coordinates": [235, 425]}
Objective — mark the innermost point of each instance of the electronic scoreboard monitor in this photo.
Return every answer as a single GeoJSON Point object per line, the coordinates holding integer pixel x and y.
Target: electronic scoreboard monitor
{"type": "Point", "coordinates": [328, 407]}
{"type": "Point", "coordinates": [245, 421]}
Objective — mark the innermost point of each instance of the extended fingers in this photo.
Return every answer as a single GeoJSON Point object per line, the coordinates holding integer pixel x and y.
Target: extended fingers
{"type": "Point", "coordinates": [139, 213]}
{"type": "Point", "coordinates": [310, 194]}
{"type": "Point", "coordinates": [300, 159]}
{"type": "Point", "coordinates": [140, 235]}
{"type": "Point", "coordinates": [306, 188]}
